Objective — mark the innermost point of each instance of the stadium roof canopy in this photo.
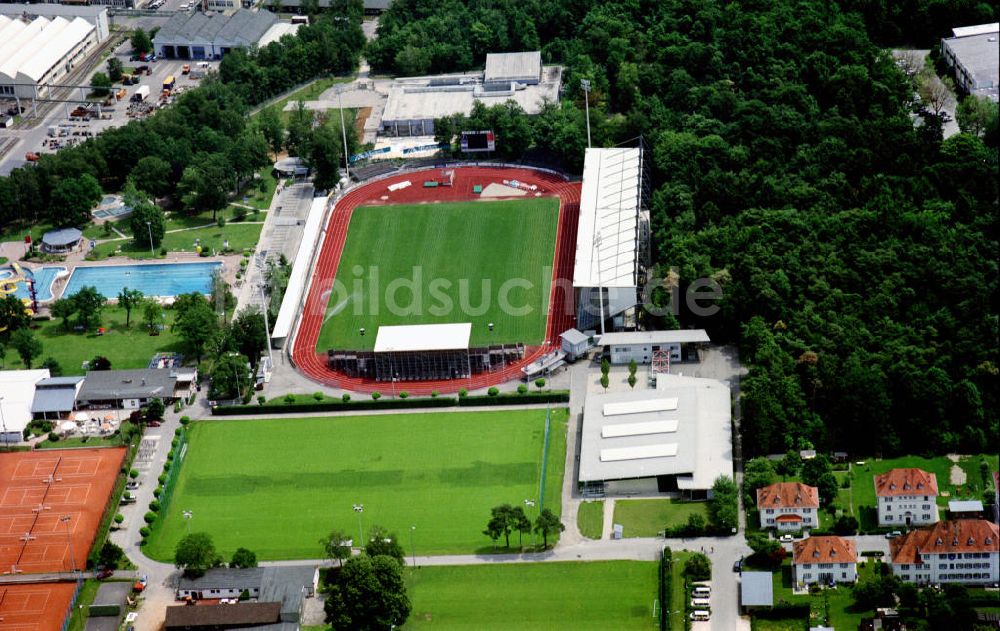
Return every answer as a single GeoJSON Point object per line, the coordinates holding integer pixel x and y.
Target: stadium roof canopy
{"type": "Point", "coordinates": [17, 391]}
{"type": "Point", "coordinates": [607, 238]}
{"type": "Point", "coordinates": [679, 336]}
{"type": "Point", "coordinates": [423, 337]}
{"type": "Point", "coordinates": [681, 428]}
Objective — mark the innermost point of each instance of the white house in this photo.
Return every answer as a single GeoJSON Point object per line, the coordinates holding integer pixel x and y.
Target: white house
{"type": "Point", "coordinates": [788, 506]}
{"type": "Point", "coordinates": [906, 497]}
{"type": "Point", "coordinates": [951, 551]}
{"type": "Point", "coordinates": [825, 560]}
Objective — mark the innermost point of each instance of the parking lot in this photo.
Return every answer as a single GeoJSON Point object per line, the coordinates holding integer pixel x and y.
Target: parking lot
{"type": "Point", "coordinates": [70, 123]}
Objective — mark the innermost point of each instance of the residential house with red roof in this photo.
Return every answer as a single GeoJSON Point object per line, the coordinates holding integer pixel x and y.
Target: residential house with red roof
{"type": "Point", "coordinates": [906, 497]}
{"type": "Point", "coordinates": [788, 506]}
{"type": "Point", "coordinates": [826, 560]}
{"type": "Point", "coordinates": [952, 551]}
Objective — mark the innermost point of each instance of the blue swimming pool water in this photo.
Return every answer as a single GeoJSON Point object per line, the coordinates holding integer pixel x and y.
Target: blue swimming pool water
{"type": "Point", "coordinates": [156, 279]}
{"type": "Point", "coordinates": [43, 278]}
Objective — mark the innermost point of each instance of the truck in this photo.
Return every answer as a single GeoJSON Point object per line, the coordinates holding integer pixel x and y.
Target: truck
{"type": "Point", "coordinates": [186, 69]}
{"type": "Point", "coordinates": [53, 131]}
{"type": "Point", "coordinates": [168, 84]}
{"type": "Point", "coordinates": [121, 94]}
{"type": "Point", "coordinates": [141, 93]}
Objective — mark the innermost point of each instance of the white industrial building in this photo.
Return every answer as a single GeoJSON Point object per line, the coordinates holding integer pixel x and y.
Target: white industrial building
{"type": "Point", "coordinates": [612, 239]}
{"type": "Point", "coordinates": [676, 438]}
{"type": "Point", "coordinates": [17, 394]}
{"type": "Point", "coordinates": [211, 35]}
{"type": "Point", "coordinates": [974, 55]}
{"type": "Point", "coordinates": [41, 44]}
{"type": "Point", "coordinates": [642, 346]}
{"type": "Point", "coordinates": [414, 102]}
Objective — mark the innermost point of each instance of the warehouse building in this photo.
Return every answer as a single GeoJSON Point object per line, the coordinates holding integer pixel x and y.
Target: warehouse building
{"type": "Point", "coordinates": [414, 102]}
{"type": "Point", "coordinates": [974, 54]}
{"type": "Point", "coordinates": [17, 392]}
{"type": "Point", "coordinates": [211, 35]}
{"type": "Point", "coordinates": [41, 44]}
{"type": "Point", "coordinates": [643, 347]}
{"type": "Point", "coordinates": [674, 439]}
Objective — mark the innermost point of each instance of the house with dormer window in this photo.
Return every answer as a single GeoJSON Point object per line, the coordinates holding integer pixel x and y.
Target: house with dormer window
{"type": "Point", "coordinates": [788, 506]}
{"type": "Point", "coordinates": [906, 497]}
{"type": "Point", "coordinates": [952, 551]}
{"type": "Point", "coordinates": [825, 560]}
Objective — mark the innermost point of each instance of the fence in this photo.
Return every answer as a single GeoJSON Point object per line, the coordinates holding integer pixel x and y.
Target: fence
{"type": "Point", "coordinates": [666, 576]}
{"type": "Point", "coordinates": [175, 467]}
{"type": "Point", "coordinates": [528, 398]}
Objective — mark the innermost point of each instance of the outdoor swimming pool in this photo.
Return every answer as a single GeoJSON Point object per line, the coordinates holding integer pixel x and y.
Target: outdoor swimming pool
{"type": "Point", "coordinates": [111, 206]}
{"type": "Point", "coordinates": [43, 278]}
{"type": "Point", "coordinates": [152, 279]}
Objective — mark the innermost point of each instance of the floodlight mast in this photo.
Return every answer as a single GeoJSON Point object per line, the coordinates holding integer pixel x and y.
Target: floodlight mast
{"type": "Point", "coordinates": [585, 84]}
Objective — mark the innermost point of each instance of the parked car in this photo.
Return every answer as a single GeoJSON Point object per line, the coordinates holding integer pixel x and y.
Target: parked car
{"type": "Point", "coordinates": [893, 534]}
{"type": "Point", "coordinates": [738, 566]}
{"type": "Point", "coordinates": [153, 424]}
{"type": "Point", "coordinates": [786, 538]}
{"type": "Point", "coordinates": [700, 614]}
{"type": "Point", "coordinates": [105, 573]}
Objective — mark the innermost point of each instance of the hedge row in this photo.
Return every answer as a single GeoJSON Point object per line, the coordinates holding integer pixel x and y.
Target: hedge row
{"type": "Point", "coordinates": [557, 396]}
{"type": "Point", "coordinates": [165, 480]}
{"type": "Point", "coordinates": [666, 576]}
{"type": "Point", "coordinates": [783, 611]}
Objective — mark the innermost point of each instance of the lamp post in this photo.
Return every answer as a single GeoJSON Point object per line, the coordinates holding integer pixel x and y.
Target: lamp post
{"type": "Point", "coordinates": [267, 326]}
{"type": "Point", "coordinates": [343, 132]}
{"type": "Point", "coordinates": [585, 84]}
{"type": "Point", "coordinates": [3, 427]}
{"type": "Point", "coordinates": [530, 503]}
{"type": "Point", "coordinates": [360, 508]}
{"type": "Point", "coordinates": [413, 549]}
{"type": "Point", "coordinates": [69, 540]}
{"type": "Point", "coordinates": [187, 520]}
{"type": "Point", "coordinates": [149, 228]}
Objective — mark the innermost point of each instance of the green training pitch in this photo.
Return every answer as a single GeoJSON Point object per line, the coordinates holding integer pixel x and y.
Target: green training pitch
{"type": "Point", "coordinates": [594, 595]}
{"type": "Point", "coordinates": [444, 263]}
{"type": "Point", "coordinates": [278, 486]}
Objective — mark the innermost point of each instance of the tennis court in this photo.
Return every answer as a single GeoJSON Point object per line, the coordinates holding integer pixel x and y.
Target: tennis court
{"type": "Point", "coordinates": [51, 505]}
{"type": "Point", "coordinates": [35, 607]}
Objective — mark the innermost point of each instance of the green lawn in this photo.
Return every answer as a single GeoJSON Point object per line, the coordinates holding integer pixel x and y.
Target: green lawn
{"type": "Point", "coordinates": [590, 519]}
{"type": "Point", "coordinates": [860, 498]}
{"type": "Point", "coordinates": [80, 441]}
{"type": "Point", "coordinates": [126, 348]}
{"type": "Point", "coordinates": [678, 604]}
{"type": "Point", "coordinates": [239, 234]}
{"type": "Point", "coordinates": [468, 256]}
{"type": "Point", "coordinates": [787, 624]}
{"type": "Point", "coordinates": [597, 595]}
{"type": "Point", "coordinates": [80, 613]}
{"type": "Point", "coordinates": [832, 607]}
{"type": "Point", "coordinates": [312, 91]}
{"type": "Point", "coordinates": [646, 518]}
{"type": "Point", "coordinates": [440, 472]}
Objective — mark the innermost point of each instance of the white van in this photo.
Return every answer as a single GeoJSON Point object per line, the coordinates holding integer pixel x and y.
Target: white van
{"type": "Point", "coordinates": [700, 615]}
{"type": "Point", "coordinates": [701, 591]}
{"type": "Point", "coordinates": [700, 603]}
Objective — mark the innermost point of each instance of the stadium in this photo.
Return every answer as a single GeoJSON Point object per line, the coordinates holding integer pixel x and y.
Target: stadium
{"type": "Point", "coordinates": [485, 234]}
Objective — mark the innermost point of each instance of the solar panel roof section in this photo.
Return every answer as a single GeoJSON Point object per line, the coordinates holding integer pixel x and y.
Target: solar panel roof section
{"type": "Point", "coordinates": [639, 429]}
{"type": "Point", "coordinates": [639, 452]}
{"type": "Point", "coordinates": [608, 230]}
{"type": "Point", "coordinates": [640, 406]}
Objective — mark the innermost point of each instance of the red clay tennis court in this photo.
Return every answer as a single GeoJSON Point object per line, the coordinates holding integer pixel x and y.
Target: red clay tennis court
{"type": "Point", "coordinates": [50, 500]}
{"type": "Point", "coordinates": [561, 316]}
{"type": "Point", "coordinates": [35, 607]}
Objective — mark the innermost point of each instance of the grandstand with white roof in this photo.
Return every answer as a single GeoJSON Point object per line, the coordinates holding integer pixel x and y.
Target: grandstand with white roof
{"type": "Point", "coordinates": [612, 243]}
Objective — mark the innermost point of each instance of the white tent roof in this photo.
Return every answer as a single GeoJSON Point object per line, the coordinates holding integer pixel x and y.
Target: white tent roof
{"type": "Point", "coordinates": [978, 29]}
{"type": "Point", "coordinates": [58, 47]}
{"type": "Point", "coordinates": [423, 337]}
{"type": "Point", "coordinates": [608, 232]}
{"type": "Point", "coordinates": [17, 391]}
{"type": "Point", "coordinates": [14, 36]}
{"type": "Point", "coordinates": [10, 64]}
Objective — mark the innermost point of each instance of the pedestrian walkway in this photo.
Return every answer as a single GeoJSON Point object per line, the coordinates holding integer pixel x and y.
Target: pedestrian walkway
{"type": "Point", "coordinates": [609, 519]}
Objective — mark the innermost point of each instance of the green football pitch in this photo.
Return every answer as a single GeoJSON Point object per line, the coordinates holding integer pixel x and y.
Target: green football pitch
{"type": "Point", "coordinates": [595, 595]}
{"type": "Point", "coordinates": [478, 262]}
{"type": "Point", "coordinates": [278, 486]}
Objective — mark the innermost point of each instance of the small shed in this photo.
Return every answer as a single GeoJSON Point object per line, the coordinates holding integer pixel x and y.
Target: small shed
{"type": "Point", "coordinates": [62, 240]}
{"type": "Point", "coordinates": [756, 591]}
{"type": "Point", "coordinates": [574, 343]}
{"type": "Point", "coordinates": [965, 509]}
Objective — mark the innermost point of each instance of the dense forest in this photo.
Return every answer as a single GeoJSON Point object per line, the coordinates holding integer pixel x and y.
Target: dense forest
{"type": "Point", "coordinates": [791, 163]}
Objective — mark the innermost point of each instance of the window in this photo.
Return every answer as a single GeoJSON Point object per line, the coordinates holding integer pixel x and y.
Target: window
{"type": "Point", "coordinates": [888, 517]}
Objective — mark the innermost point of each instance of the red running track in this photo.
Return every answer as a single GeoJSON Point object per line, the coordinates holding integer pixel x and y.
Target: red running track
{"type": "Point", "coordinates": [561, 309]}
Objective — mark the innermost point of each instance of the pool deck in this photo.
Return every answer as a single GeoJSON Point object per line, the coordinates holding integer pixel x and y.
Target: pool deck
{"type": "Point", "coordinates": [14, 250]}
